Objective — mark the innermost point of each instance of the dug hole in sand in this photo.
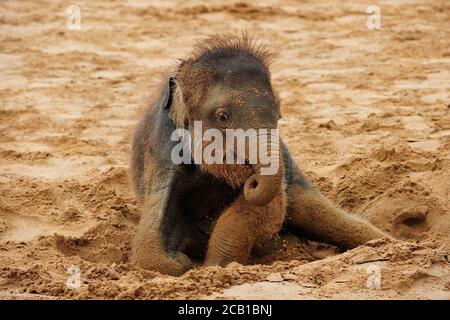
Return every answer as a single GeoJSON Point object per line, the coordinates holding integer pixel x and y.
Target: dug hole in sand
{"type": "Point", "coordinates": [366, 114]}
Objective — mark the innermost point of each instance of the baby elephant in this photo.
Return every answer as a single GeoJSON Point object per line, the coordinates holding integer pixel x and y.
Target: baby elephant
{"type": "Point", "coordinates": [216, 211]}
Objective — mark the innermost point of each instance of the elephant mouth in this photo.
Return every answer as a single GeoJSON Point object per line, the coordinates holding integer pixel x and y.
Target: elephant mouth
{"type": "Point", "coordinates": [259, 171]}
{"type": "Point", "coordinates": [234, 175]}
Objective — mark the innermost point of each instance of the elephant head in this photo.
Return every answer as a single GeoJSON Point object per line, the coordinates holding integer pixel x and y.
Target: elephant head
{"type": "Point", "coordinates": [225, 86]}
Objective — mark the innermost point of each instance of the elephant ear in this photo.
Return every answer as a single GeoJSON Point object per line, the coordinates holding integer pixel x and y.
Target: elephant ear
{"type": "Point", "coordinates": [172, 102]}
{"type": "Point", "coordinates": [167, 94]}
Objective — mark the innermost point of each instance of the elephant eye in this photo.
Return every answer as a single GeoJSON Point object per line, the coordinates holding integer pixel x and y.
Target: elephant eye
{"type": "Point", "coordinates": [223, 116]}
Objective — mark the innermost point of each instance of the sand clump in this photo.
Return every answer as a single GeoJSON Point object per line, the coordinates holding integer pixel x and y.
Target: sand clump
{"type": "Point", "coordinates": [366, 114]}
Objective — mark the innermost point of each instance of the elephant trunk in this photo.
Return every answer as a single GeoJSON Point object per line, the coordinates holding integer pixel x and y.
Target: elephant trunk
{"type": "Point", "coordinates": [261, 187]}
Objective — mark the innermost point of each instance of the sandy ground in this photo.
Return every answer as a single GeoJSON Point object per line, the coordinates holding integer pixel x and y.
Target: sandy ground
{"type": "Point", "coordinates": [366, 114]}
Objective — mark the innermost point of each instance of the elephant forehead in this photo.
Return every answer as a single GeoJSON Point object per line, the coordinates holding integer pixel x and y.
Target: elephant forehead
{"type": "Point", "coordinates": [248, 95]}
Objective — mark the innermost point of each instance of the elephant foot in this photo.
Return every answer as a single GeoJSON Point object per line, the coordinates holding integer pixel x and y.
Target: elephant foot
{"type": "Point", "coordinates": [149, 253]}
{"type": "Point", "coordinates": [174, 264]}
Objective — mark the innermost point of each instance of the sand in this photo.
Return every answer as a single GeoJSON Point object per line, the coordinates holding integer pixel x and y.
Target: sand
{"type": "Point", "coordinates": [366, 115]}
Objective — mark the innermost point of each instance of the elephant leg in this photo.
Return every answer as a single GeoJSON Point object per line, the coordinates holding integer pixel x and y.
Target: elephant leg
{"type": "Point", "coordinates": [315, 216]}
{"type": "Point", "coordinates": [149, 251]}
{"type": "Point", "coordinates": [241, 226]}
